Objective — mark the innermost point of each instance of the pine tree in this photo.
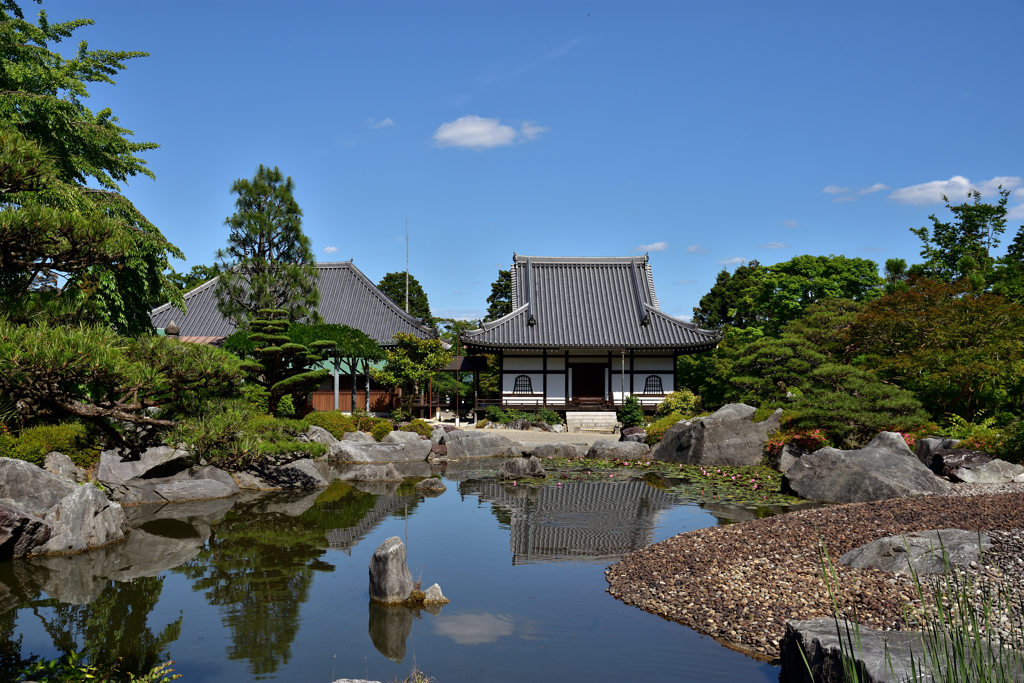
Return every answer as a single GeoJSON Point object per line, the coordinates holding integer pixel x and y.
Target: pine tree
{"type": "Point", "coordinates": [393, 286]}
{"type": "Point", "coordinates": [499, 303]}
{"type": "Point", "coordinates": [268, 263]}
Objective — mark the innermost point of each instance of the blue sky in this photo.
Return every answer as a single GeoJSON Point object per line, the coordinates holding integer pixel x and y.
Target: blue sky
{"type": "Point", "coordinates": [703, 133]}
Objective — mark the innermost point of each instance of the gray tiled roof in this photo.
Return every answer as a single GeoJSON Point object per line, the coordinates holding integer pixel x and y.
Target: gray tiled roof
{"type": "Point", "coordinates": [578, 302]}
{"type": "Point", "coordinates": [347, 297]}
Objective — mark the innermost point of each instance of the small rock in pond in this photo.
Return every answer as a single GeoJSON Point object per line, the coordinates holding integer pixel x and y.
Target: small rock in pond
{"type": "Point", "coordinates": [434, 596]}
{"type": "Point", "coordinates": [431, 485]}
{"type": "Point", "coordinates": [390, 579]}
{"type": "Point", "coordinates": [519, 467]}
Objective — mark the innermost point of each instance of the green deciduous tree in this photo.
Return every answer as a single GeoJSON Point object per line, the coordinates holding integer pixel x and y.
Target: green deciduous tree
{"type": "Point", "coordinates": [348, 348]}
{"type": "Point", "coordinates": [393, 286]}
{"type": "Point", "coordinates": [268, 263]}
{"type": "Point", "coordinates": [499, 302]}
{"type": "Point", "coordinates": [186, 282]}
{"type": "Point", "coordinates": [730, 301]}
{"type": "Point", "coordinates": [411, 363]}
{"type": "Point", "coordinates": [72, 247]}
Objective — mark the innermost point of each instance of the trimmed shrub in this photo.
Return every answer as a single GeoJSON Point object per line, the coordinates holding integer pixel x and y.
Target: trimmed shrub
{"type": "Point", "coordinates": [547, 415]}
{"type": "Point", "coordinates": [482, 423]}
{"type": "Point", "coordinates": [656, 430]}
{"type": "Point", "coordinates": [808, 439]}
{"type": "Point", "coordinates": [684, 402]}
{"type": "Point", "coordinates": [32, 445]}
{"type": "Point", "coordinates": [419, 426]}
{"type": "Point", "coordinates": [632, 413]}
{"type": "Point", "coordinates": [333, 421]}
{"type": "Point", "coordinates": [381, 429]}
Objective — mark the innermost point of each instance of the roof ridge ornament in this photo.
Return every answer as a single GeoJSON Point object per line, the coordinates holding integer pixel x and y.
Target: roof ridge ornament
{"type": "Point", "coordinates": [531, 320]}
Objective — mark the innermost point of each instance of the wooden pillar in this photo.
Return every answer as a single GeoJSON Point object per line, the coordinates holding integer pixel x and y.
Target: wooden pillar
{"type": "Point", "coordinates": [631, 383]}
{"type": "Point", "coordinates": [366, 369]}
{"type": "Point", "coordinates": [337, 398]}
{"type": "Point", "coordinates": [544, 370]}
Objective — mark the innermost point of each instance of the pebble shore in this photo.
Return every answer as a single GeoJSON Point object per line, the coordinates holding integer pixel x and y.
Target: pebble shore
{"type": "Point", "coordinates": [739, 583]}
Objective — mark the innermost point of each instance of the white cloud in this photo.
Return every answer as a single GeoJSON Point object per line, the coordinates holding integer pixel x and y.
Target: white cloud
{"type": "Point", "coordinates": [459, 313]}
{"type": "Point", "coordinates": [475, 133]}
{"type": "Point", "coordinates": [530, 131]}
{"type": "Point", "coordinates": [773, 245]}
{"type": "Point", "coordinates": [381, 124]}
{"type": "Point", "coordinates": [1016, 212]}
{"type": "Point", "coordinates": [877, 187]}
{"type": "Point", "coordinates": [790, 223]}
{"type": "Point", "coordinates": [734, 261]}
{"type": "Point", "coordinates": [697, 249]}
{"type": "Point", "coordinates": [474, 629]}
{"type": "Point", "coordinates": [835, 189]}
{"type": "Point", "coordinates": [657, 246]}
{"type": "Point", "coordinates": [956, 188]}
{"type": "Point", "coordinates": [330, 250]}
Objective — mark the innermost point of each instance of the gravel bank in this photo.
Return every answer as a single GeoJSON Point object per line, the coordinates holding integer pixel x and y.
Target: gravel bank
{"type": "Point", "coordinates": [740, 583]}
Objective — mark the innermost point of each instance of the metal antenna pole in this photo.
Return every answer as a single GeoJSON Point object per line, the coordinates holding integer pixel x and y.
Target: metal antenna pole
{"type": "Point", "coordinates": [406, 265]}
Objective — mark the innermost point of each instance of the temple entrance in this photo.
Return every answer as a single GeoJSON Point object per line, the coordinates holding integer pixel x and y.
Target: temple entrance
{"type": "Point", "coordinates": [588, 381]}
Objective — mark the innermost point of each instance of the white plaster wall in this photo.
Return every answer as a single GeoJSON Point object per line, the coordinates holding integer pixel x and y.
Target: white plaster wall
{"type": "Point", "coordinates": [536, 380]}
{"type": "Point", "coordinates": [556, 363]}
{"type": "Point", "coordinates": [523, 363]}
{"type": "Point", "coordinates": [556, 388]}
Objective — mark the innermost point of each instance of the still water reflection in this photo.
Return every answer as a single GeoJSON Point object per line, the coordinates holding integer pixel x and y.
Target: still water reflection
{"type": "Point", "coordinates": [275, 586]}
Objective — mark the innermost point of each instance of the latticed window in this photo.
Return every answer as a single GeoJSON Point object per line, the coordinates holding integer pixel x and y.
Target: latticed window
{"type": "Point", "coordinates": [653, 385]}
{"type": "Point", "coordinates": [523, 385]}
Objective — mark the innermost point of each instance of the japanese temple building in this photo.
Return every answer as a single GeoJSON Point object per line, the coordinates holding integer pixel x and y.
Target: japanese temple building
{"type": "Point", "coordinates": [585, 333]}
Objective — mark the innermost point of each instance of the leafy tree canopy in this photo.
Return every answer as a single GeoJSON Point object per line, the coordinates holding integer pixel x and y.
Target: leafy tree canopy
{"type": "Point", "coordinates": [729, 301]}
{"type": "Point", "coordinates": [411, 363]}
{"type": "Point", "coordinates": [499, 303]}
{"type": "Point", "coordinates": [198, 275]}
{"type": "Point", "coordinates": [393, 286]}
{"type": "Point", "coordinates": [268, 263]}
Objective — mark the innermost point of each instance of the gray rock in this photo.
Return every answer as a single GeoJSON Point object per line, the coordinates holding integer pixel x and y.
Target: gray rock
{"type": "Point", "coordinates": [921, 552]}
{"type": "Point", "coordinates": [216, 474]}
{"type": "Point", "coordinates": [434, 596]}
{"type": "Point", "coordinates": [20, 533]}
{"type": "Point", "coordinates": [879, 471]}
{"type": "Point", "coordinates": [521, 425]}
{"type": "Point", "coordinates": [389, 628]}
{"type": "Point", "coordinates": [401, 437]}
{"type": "Point", "coordinates": [317, 434]}
{"type": "Point", "coordinates": [728, 437]}
{"type": "Point", "coordinates": [250, 481]}
{"type": "Point", "coordinates": [640, 437]}
{"type": "Point", "coordinates": [358, 437]}
{"type": "Point", "coordinates": [925, 448]}
{"type": "Point", "coordinates": [789, 455]}
{"type": "Point", "coordinates": [62, 466]}
{"type": "Point", "coordinates": [30, 488]}
{"type": "Point", "coordinates": [518, 468]}
{"type": "Point", "coordinates": [437, 436]}
{"type": "Point", "coordinates": [390, 580]}
{"type": "Point", "coordinates": [346, 451]}
{"type": "Point", "coordinates": [947, 460]}
{"type": "Point", "coordinates": [818, 641]}
{"type": "Point", "coordinates": [466, 444]}
{"type": "Point", "coordinates": [432, 485]}
{"type": "Point", "coordinates": [557, 429]}
{"type": "Point", "coordinates": [618, 450]}
{"type": "Point", "coordinates": [994, 472]}
{"type": "Point", "coordinates": [299, 474]}
{"type": "Point", "coordinates": [154, 463]}
{"type": "Point", "coordinates": [84, 519]}
{"type": "Point", "coordinates": [170, 490]}
{"type": "Point", "coordinates": [560, 450]}
{"type": "Point", "coordinates": [386, 472]}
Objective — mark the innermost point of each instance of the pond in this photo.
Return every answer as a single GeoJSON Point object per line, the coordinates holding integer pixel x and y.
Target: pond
{"type": "Point", "coordinates": [274, 586]}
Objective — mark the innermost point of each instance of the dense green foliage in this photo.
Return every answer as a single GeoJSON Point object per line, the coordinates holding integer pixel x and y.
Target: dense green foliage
{"type": "Point", "coordinates": [546, 415]}
{"type": "Point", "coordinates": [393, 286]}
{"type": "Point", "coordinates": [338, 424]}
{"type": "Point", "coordinates": [410, 364]}
{"type": "Point", "coordinates": [186, 282]}
{"type": "Point", "coordinates": [71, 668]}
{"type": "Point", "coordinates": [421, 427]}
{"type": "Point", "coordinates": [33, 443]}
{"type": "Point", "coordinates": [381, 429]}
{"type": "Point", "coordinates": [499, 302]}
{"type": "Point", "coordinates": [631, 414]}
{"type": "Point", "coordinates": [684, 402]}
{"type": "Point", "coordinates": [268, 262]}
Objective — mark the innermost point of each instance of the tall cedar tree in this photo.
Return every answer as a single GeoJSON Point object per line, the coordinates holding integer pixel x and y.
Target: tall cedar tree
{"type": "Point", "coordinates": [268, 263]}
{"type": "Point", "coordinates": [499, 303]}
{"type": "Point", "coordinates": [72, 249]}
{"type": "Point", "coordinates": [393, 286]}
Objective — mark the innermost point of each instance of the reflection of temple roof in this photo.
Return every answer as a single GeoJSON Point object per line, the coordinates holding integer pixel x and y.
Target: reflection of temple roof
{"type": "Point", "coordinates": [347, 537]}
{"type": "Point", "coordinates": [578, 519]}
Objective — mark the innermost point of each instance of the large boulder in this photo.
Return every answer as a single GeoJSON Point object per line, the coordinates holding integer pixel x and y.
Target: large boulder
{"type": "Point", "coordinates": [519, 468]}
{"type": "Point", "coordinates": [401, 437]}
{"type": "Point", "coordinates": [815, 644]}
{"type": "Point", "coordinates": [170, 490]}
{"type": "Point", "coordinates": [30, 488]}
{"type": "Point", "coordinates": [349, 451]}
{"type": "Point", "coordinates": [925, 448]}
{"type": "Point", "coordinates": [637, 434]}
{"type": "Point", "coordinates": [154, 463]}
{"type": "Point", "coordinates": [84, 519]}
{"type": "Point", "coordinates": [618, 450]}
{"type": "Point", "coordinates": [317, 434]}
{"type": "Point", "coordinates": [431, 486]}
{"type": "Point", "coordinates": [390, 579]}
{"type": "Point", "coordinates": [729, 436]}
{"type": "Point", "coordinates": [20, 533]}
{"type": "Point", "coordinates": [298, 474]}
{"type": "Point", "coordinates": [788, 455]}
{"type": "Point", "coordinates": [921, 552]}
{"type": "Point", "coordinates": [993, 472]}
{"type": "Point", "coordinates": [386, 472]}
{"type": "Point", "coordinates": [946, 460]}
{"type": "Point", "coordinates": [467, 444]}
{"type": "Point", "coordinates": [359, 437]}
{"type": "Point", "coordinates": [570, 451]}
{"type": "Point", "coordinates": [62, 466]}
{"type": "Point", "coordinates": [880, 470]}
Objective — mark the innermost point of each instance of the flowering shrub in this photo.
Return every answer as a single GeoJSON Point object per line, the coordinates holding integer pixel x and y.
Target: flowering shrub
{"type": "Point", "coordinates": [684, 402]}
{"type": "Point", "coordinates": [808, 439]}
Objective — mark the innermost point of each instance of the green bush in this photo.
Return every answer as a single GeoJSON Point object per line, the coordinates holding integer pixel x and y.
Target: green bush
{"type": "Point", "coordinates": [496, 414]}
{"type": "Point", "coordinates": [656, 430]}
{"type": "Point", "coordinates": [336, 423]}
{"type": "Point", "coordinates": [381, 429]}
{"type": "Point", "coordinates": [419, 426]}
{"type": "Point", "coordinates": [70, 438]}
{"type": "Point", "coordinates": [684, 402]}
{"type": "Point", "coordinates": [1011, 448]}
{"type": "Point", "coordinates": [547, 415]}
{"type": "Point", "coordinates": [482, 423]}
{"type": "Point", "coordinates": [632, 413]}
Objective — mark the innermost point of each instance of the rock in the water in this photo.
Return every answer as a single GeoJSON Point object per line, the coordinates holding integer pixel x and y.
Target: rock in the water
{"type": "Point", "coordinates": [729, 436]}
{"type": "Point", "coordinates": [518, 468]}
{"type": "Point", "coordinates": [789, 454]}
{"type": "Point", "coordinates": [946, 460]}
{"type": "Point", "coordinates": [30, 488]}
{"type": "Point", "coordinates": [298, 474]}
{"type": "Point", "coordinates": [20, 533]}
{"type": "Point", "coordinates": [317, 434]}
{"type": "Point", "coordinates": [878, 471]}
{"type": "Point", "coordinates": [925, 448]}
{"type": "Point", "coordinates": [250, 481]}
{"type": "Point", "coordinates": [921, 552]}
{"type": "Point", "coordinates": [401, 437]}
{"type": "Point", "coordinates": [466, 444]}
{"type": "Point", "coordinates": [618, 450]}
{"type": "Point", "coordinates": [154, 463]}
{"type": "Point", "coordinates": [359, 437]}
{"type": "Point", "coordinates": [347, 451]}
{"type": "Point", "coordinates": [434, 596]}
{"type": "Point", "coordinates": [431, 485]}
{"type": "Point", "coordinates": [993, 472]}
{"type": "Point", "coordinates": [569, 451]}
{"type": "Point", "coordinates": [84, 519]}
{"type": "Point", "coordinates": [169, 490]}
{"type": "Point", "coordinates": [62, 466]}
{"type": "Point", "coordinates": [386, 472]}
{"type": "Point", "coordinates": [815, 643]}
{"type": "Point", "coordinates": [390, 580]}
